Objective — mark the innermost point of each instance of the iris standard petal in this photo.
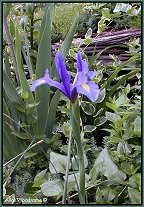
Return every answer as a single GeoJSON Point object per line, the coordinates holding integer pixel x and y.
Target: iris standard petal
{"type": "Point", "coordinates": [91, 74]}
{"type": "Point", "coordinates": [82, 66]}
{"type": "Point", "coordinates": [90, 90]}
{"type": "Point", "coordinates": [64, 76]}
{"type": "Point", "coordinates": [79, 79]}
{"type": "Point", "coordinates": [79, 62]}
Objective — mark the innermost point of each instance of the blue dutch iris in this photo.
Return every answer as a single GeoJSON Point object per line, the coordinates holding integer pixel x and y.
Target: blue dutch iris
{"type": "Point", "coordinates": [82, 84]}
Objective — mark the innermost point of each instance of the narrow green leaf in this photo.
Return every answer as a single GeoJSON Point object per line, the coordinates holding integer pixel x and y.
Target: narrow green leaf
{"type": "Point", "coordinates": [27, 57]}
{"type": "Point", "coordinates": [52, 113]}
{"type": "Point", "coordinates": [114, 74]}
{"type": "Point", "coordinates": [29, 154]}
{"type": "Point", "coordinates": [9, 141]}
{"type": "Point", "coordinates": [94, 58]}
{"type": "Point", "coordinates": [6, 9]}
{"type": "Point", "coordinates": [10, 90]}
{"type": "Point", "coordinates": [21, 135]}
{"type": "Point", "coordinates": [111, 92]}
{"type": "Point", "coordinates": [44, 62]}
{"type": "Point", "coordinates": [12, 28]}
{"type": "Point", "coordinates": [7, 65]}
{"type": "Point", "coordinates": [23, 80]}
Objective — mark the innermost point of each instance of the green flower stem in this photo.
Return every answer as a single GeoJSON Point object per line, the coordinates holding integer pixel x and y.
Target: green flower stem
{"type": "Point", "coordinates": [67, 170]}
{"type": "Point", "coordinates": [75, 124]}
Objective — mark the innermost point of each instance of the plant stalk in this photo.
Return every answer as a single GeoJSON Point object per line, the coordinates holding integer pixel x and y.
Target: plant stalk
{"type": "Point", "coordinates": [67, 169]}
{"type": "Point", "coordinates": [75, 123]}
{"type": "Point", "coordinates": [39, 142]}
{"type": "Point", "coordinates": [12, 53]}
{"type": "Point", "coordinates": [31, 31]}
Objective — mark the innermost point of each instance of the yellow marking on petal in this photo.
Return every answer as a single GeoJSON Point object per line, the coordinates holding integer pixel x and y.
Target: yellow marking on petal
{"type": "Point", "coordinates": [86, 87]}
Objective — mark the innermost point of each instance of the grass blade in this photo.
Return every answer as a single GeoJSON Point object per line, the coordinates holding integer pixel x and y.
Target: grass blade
{"type": "Point", "coordinates": [114, 88]}
{"type": "Point", "coordinates": [52, 113]}
{"type": "Point", "coordinates": [43, 62]}
{"type": "Point", "coordinates": [114, 74]}
{"type": "Point", "coordinates": [94, 58]}
{"type": "Point", "coordinates": [10, 90]}
{"type": "Point", "coordinates": [24, 84]}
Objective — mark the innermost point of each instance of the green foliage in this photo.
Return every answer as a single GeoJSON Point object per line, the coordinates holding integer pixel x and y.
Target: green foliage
{"type": "Point", "coordinates": [63, 16]}
{"type": "Point", "coordinates": [105, 155]}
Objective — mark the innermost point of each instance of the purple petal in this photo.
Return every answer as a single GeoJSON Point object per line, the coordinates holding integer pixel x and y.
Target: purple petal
{"type": "Point", "coordinates": [74, 93]}
{"type": "Point", "coordinates": [64, 76]}
{"type": "Point", "coordinates": [47, 80]}
{"type": "Point", "coordinates": [82, 66]}
{"type": "Point", "coordinates": [79, 62]}
{"type": "Point", "coordinates": [90, 90]}
{"type": "Point", "coordinates": [91, 74]}
{"type": "Point", "coordinates": [55, 84]}
{"type": "Point", "coordinates": [79, 79]}
{"type": "Point", "coordinates": [37, 83]}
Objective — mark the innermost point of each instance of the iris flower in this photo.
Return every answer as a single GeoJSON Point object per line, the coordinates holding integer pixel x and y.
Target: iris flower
{"type": "Point", "coordinates": [82, 84]}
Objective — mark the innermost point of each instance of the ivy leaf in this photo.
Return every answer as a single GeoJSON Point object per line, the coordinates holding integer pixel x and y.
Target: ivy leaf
{"type": "Point", "coordinates": [29, 154]}
{"type": "Point", "coordinates": [99, 198]}
{"type": "Point", "coordinates": [40, 178]}
{"type": "Point", "coordinates": [89, 128]}
{"type": "Point", "coordinates": [109, 194]}
{"type": "Point", "coordinates": [135, 195]}
{"type": "Point", "coordinates": [87, 41]}
{"type": "Point", "coordinates": [101, 25]}
{"type": "Point", "coordinates": [101, 96]}
{"type": "Point", "coordinates": [112, 116]}
{"type": "Point", "coordinates": [100, 120]}
{"type": "Point", "coordinates": [135, 181]}
{"type": "Point", "coordinates": [87, 107]}
{"type": "Point", "coordinates": [58, 163]}
{"type": "Point", "coordinates": [71, 53]}
{"type": "Point", "coordinates": [88, 34]}
{"type": "Point", "coordinates": [72, 177]}
{"type": "Point", "coordinates": [137, 124]}
{"type": "Point", "coordinates": [75, 162]}
{"type": "Point", "coordinates": [121, 100]}
{"type": "Point", "coordinates": [52, 188]}
{"type": "Point", "coordinates": [127, 167]}
{"type": "Point", "coordinates": [106, 13]}
{"type": "Point", "coordinates": [104, 166]}
{"type": "Point", "coordinates": [120, 7]}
